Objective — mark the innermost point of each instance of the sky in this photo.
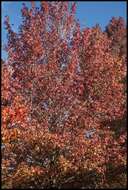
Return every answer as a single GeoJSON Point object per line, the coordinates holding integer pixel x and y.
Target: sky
{"type": "Point", "coordinates": [89, 14]}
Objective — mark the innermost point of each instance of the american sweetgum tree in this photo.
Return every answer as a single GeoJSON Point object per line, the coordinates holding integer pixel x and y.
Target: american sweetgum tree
{"type": "Point", "coordinates": [62, 89]}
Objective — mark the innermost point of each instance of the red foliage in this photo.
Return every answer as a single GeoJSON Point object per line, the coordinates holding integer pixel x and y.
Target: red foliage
{"type": "Point", "coordinates": [61, 90]}
{"type": "Point", "coordinates": [116, 31]}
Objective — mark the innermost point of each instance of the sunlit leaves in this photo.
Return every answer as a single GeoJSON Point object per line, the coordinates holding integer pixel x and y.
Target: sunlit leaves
{"type": "Point", "coordinates": [60, 87]}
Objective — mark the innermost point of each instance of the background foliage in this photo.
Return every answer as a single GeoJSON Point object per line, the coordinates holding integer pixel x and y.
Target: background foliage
{"type": "Point", "coordinates": [63, 102]}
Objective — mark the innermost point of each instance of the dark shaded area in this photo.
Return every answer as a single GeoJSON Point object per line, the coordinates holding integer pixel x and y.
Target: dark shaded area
{"type": "Point", "coordinates": [118, 126]}
{"type": "Point", "coordinates": [82, 179]}
{"type": "Point", "coordinates": [116, 31]}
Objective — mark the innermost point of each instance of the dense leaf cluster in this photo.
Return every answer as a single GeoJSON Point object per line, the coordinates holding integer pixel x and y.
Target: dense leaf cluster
{"type": "Point", "coordinates": [63, 102]}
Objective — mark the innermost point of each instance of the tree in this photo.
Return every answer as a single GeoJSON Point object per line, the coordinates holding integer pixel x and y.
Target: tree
{"type": "Point", "coordinates": [59, 86]}
{"type": "Point", "coordinates": [116, 31]}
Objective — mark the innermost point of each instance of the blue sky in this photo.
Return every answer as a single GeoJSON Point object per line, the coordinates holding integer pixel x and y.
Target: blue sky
{"type": "Point", "coordinates": [89, 14]}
